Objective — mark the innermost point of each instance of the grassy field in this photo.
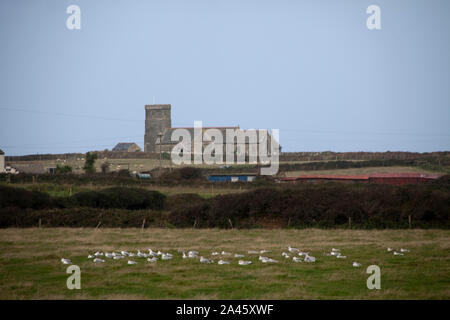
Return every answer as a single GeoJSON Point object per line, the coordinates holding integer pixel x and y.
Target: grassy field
{"type": "Point", "coordinates": [368, 170]}
{"type": "Point", "coordinates": [30, 266]}
{"type": "Point", "coordinates": [58, 190]}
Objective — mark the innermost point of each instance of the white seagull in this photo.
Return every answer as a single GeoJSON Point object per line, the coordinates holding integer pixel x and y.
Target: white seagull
{"type": "Point", "coordinates": [132, 262]}
{"type": "Point", "coordinates": [225, 253]}
{"type": "Point", "coordinates": [192, 254]}
{"type": "Point", "coordinates": [296, 259]}
{"type": "Point", "coordinates": [356, 264]}
{"type": "Point", "coordinates": [90, 256]}
{"type": "Point", "coordinates": [310, 259]}
{"type": "Point", "coordinates": [244, 263]}
{"type": "Point", "coordinates": [154, 259]}
{"type": "Point", "coordinates": [404, 250]}
{"type": "Point", "coordinates": [239, 255]}
{"type": "Point", "coordinates": [204, 260]}
{"type": "Point", "coordinates": [397, 253]}
{"type": "Point", "coordinates": [98, 254]}
{"type": "Point", "coordinates": [269, 260]}
{"type": "Point", "coordinates": [66, 261]}
{"type": "Point", "coordinates": [389, 249]}
{"type": "Point", "coordinates": [166, 256]}
{"type": "Point", "coordinates": [293, 250]}
{"type": "Point", "coordinates": [98, 260]}
{"type": "Point", "coordinates": [223, 262]}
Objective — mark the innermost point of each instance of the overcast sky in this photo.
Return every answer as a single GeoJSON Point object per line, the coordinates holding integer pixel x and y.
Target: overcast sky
{"type": "Point", "coordinates": [309, 68]}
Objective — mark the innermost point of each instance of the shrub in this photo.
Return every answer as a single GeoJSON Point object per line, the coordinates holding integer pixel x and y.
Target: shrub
{"type": "Point", "coordinates": [18, 197]}
{"type": "Point", "coordinates": [119, 197]}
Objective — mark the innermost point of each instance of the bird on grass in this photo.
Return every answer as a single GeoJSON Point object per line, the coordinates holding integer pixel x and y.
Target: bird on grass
{"type": "Point", "coordinates": [108, 255]}
{"type": "Point", "coordinates": [66, 261]}
{"type": "Point", "coordinates": [132, 262]}
{"type": "Point", "coordinates": [90, 256]}
{"type": "Point", "coordinates": [341, 256]}
{"type": "Point", "coordinates": [404, 250]}
{"type": "Point", "coordinates": [141, 254]}
{"type": "Point", "coordinates": [389, 249]}
{"type": "Point", "coordinates": [223, 262]}
{"type": "Point", "coordinates": [293, 250]}
{"type": "Point", "coordinates": [224, 253]}
{"type": "Point", "coordinates": [215, 253]}
{"type": "Point", "coordinates": [356, 264]}
{"type": "Point", "coordinates": [166, 256]}
{"type": "Point", "coordinates": [239, 255]}
{"type": "Point", "coordinates": [204, 260]}
{"type": "Point", "coordinates": [192, 254]}
{"type": "Point", "coordinates": [154, 259]}
{"type": "Point", "coordinates": [269, 260]}
{"type": "Point", "coordinates": [124, 253]}
{"type": "Point", "coordinates": [118, 257]}
{"type": "Point", "coordinates": [98, 254]}
{"type": "Point", "coordinates": [252, 252]}
{"type": "Point", "coordinates": [98, 260]}
{"type": "Point", "coordinates": [296, 259]}
{"type": "Point", "coordinates": [244, 263]}
{"type": "Point", "coordinates": [397, 253]}
{"type": "Point", "coordinates": [310, 259]}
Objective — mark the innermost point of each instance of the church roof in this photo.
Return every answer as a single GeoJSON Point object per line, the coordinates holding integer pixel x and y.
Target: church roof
{"type": "Point", "coordinates": [167, 135]}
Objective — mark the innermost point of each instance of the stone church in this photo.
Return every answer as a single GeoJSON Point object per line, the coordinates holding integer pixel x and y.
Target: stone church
{"type": "Point", "coordinates": [158, 130]}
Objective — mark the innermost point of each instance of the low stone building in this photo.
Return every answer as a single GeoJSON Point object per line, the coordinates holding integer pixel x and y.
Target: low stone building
{"type": "Point", "coordinates": [126, 147]}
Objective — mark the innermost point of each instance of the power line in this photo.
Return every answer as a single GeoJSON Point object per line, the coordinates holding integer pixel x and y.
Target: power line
{"type": "Point", "coordinates": [69, 115]}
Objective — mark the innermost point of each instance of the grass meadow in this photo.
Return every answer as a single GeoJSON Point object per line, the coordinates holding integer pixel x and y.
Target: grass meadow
{"type": "Point", "coordinates": [30, 266]}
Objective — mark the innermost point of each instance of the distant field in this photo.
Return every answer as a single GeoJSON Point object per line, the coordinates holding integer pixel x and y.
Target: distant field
{"type": "Point", "coordinates": [130, 164]}
{"type": "Point", "coordinates": [30, 266]}
{"type": "Point", "coordinates": [367, 170]}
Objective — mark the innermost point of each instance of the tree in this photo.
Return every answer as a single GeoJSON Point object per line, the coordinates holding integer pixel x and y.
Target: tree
{"type": "Point", "coordinates": [63, 169]}
{"type": "Point", "coordinates": [89, 163]}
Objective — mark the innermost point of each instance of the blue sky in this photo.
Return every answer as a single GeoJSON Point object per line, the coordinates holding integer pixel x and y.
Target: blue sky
{"type": "Point", "coordinates": [309, 68]}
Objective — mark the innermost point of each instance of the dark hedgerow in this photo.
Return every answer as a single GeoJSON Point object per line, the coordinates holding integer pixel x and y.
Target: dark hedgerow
{"type": "Point", "coordinates": [123, 198]}
{"type": "Point", "coordinates": [117, 197]}
{"type": "Point", "coordinates": [325, 206]}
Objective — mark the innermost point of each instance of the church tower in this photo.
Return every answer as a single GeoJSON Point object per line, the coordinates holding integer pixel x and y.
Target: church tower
{"type": "Point", "coordinates": [157, 120]}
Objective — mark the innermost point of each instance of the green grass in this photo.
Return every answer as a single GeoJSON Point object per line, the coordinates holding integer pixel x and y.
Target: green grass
{"type": "Point", "coordinates": [30, 266]}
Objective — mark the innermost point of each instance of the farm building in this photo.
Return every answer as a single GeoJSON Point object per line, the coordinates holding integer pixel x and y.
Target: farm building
{"type": "Point", "coordinates": [126, 147]}
{"type": "Point", "coordinates": [387, 178]}
{"type": "Point", "coordinates": [232, 177]}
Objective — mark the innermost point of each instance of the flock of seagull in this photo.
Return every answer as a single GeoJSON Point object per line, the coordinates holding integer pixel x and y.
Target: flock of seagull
{"type": "Point", "coordinates": [152, 256]}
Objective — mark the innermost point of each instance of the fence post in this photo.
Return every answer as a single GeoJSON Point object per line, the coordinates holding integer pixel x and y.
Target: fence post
{"type": "Point", "coordinates": [231, 224]}
{"type": "Point", "coordinates": [349, 222]}
{"type": "Point", "coordinates": [143, 225]}
{"type": "Point", "coordinates": [98, 225]}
